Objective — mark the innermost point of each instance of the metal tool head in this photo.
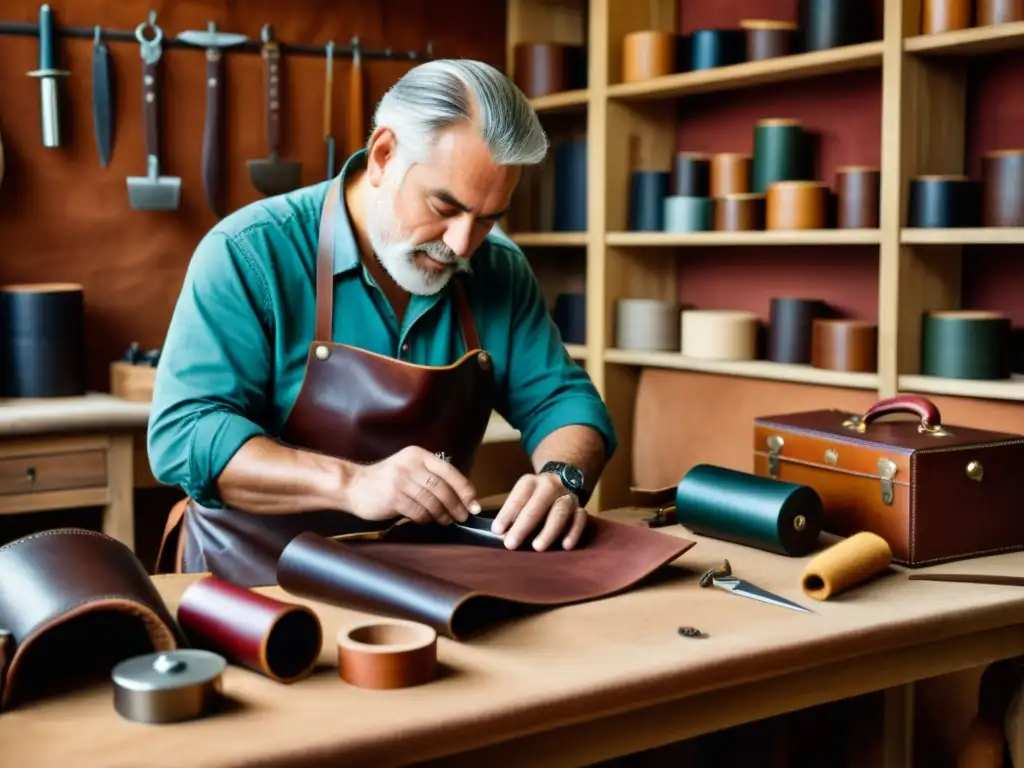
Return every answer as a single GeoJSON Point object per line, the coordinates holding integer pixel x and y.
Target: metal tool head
{"type": "Point", "coordinates": [211, 38]}
{"type": "Point", "coordinates": [274, 176]}
{"type": "Point", "coordinates": [154, 192]}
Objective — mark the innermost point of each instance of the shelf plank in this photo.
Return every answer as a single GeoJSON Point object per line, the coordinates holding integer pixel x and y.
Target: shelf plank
{"type": "Point", "coordinates": [969, 42]}
{"type": "Point", "coordinates": [1002, 389]}
{"type": "Point", "coordinates": [963, 236]}
{"type": "Point", "coordinates": [576, 351]}
{"type": "Point", "coordinates": [773, 237]}
{"type": "Point", "coordinates": [550, 239]}
{"type": "Point", "coordinates": [566, 101]}
{"type": "Point", "coordinates": [754, 369]}
{"type": "Point", "coordinates": [795, 67]}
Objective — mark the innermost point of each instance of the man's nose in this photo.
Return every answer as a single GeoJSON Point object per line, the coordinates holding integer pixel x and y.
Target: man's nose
{"type": "Point", "coordinates": [458, 236]}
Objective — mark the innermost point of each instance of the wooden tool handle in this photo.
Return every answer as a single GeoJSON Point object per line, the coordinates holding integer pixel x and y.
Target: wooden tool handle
{"type": "Point", "coordinates": [150, 114]}
{"type": "Point", "coordinates": [356, 122]}
{"type": "Point", "coordinates": [211, 131]}
{"type": "Point", "coordinates": [328, 90]}
{"type": "Point", "coordinates": [272, 61]}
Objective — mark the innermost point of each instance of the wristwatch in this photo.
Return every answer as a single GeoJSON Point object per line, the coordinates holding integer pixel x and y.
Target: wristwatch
{"type": "Point", "coordinates": [571, 477]}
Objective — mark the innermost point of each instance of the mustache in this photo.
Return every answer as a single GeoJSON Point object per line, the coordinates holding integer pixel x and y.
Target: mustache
{"type": "Point", "coordinates": [438, 251]}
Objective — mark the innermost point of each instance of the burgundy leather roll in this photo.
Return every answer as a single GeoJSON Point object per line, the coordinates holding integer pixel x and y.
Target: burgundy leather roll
{"type": "Point", "coordinates": [1002, 181]}
{"type": "Point", "coordinates": [999, 11]}
{"type": "Point", "coordinates": [459, 589]}
{"type": "Point", "coordinates": [857, 191]}
{"type": "Point", "coordinates": [742, 212]}
{"type": "Point", "coordinates": [75, 603]}
{"type": "Point", "coordinates": [543, 68]}
{"type": "Point", "coordinates": [277, 639]}
{"type": "Point", "coordinates": [769, 38]}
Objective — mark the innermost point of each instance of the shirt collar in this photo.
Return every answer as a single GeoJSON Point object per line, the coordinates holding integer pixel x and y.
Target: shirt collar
{"type": "Point", "coordinates": [346, 250]}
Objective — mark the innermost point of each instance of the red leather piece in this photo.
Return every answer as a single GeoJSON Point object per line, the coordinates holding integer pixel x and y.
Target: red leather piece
{"type": "Point", "coordinates": [921, 407]}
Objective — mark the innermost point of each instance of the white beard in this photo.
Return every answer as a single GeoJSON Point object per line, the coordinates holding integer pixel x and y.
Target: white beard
{"type": "Point", "coordinates": [397, 254]}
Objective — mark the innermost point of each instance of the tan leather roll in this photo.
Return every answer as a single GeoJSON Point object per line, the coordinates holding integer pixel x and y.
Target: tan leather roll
{"type": "Point", "coordinates": [740, 212]}
{"type": "Point", "coordinates": [999, 11]}
{"type": "Point", "coordinates": [647, 324]}
{"type": "Point", "coordinates": [719, 334]}
{"type": "Point", "coordinates": [845, 565]}
{"type": "Point", "coordinates": [387, 654]}
{"type": "Point", "coordinates": [730, 174]}
{"type": "Point", "coordinates": [944, 16]}
{"type": "Point", "coordinates": [844, 345]}
{"type": "Point", "coordinates": [796, 205]}
{"type": "Point", "coordinates": [648, 54]}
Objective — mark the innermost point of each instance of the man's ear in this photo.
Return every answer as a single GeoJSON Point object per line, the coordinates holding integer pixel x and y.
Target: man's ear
{"type": "Point", "coordinates": [382, 150]}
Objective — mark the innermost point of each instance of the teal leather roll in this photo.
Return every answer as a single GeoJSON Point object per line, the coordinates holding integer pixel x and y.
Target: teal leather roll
{"type": "Point", "coordinates": [779, 153]}
{"type": "Point", "coordinates": [689, 214]}
{"type": "Point", "coordinates": [758, 512]}
{"type": "Point", "coordinates": [966, 345]}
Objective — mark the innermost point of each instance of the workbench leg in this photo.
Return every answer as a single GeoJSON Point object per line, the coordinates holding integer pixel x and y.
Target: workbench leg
{"type": "Point", "coordinates": [119, 514]}
{"type": "Point", "coordinates": [898, 727]}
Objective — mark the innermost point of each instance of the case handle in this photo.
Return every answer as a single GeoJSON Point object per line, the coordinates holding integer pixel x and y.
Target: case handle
{"type": "Point", "coordinates": [922, 407]}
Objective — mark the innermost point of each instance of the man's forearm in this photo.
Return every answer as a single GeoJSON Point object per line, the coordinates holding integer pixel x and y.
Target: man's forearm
{"type": "Point", "coordinates": [267, 478]}
{"type": "Point", "coordinates": [575, 444]}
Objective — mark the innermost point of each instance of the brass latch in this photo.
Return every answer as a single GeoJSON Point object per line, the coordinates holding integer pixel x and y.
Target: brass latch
{"type": "Point", "coordinates": [886, 471]}
{"type": "Point", "coordinates": [775, 443]}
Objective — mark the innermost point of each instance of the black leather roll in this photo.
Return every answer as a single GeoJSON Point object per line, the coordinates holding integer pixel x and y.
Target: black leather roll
{"type": "Point", "coordinates": [570, 315]}
{"type": "Point", "coordinates": [571, 187]}
{"type": "Point", "coordinates": [647, 193]}
{"type": "Point", "coordinates": [710, 48]}
{"type": "Point", "coordinates": [944, 201]}
{"type": "Point", "coordinates": [42, 340]}
{"type": "Point", "coordinates": [791, 329]}
{"type": "Point", "coordinates": [833, 23]}
{"type": "Point", "coordinates": [692, 176]}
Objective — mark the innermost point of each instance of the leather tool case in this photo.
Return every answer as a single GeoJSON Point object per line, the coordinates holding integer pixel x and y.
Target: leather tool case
{"type": "Point", "coordinates": [934, 492]}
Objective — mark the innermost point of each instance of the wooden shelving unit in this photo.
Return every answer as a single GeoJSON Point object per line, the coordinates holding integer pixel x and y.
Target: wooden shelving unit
{"type": "Point", "coordinates": [634, 125]}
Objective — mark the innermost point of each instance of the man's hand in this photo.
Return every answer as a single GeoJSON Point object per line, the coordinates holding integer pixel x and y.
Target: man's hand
{"type": "Point", "coordinates": [413, 483]}
{"type": "Point", "coordinates": [537, 498]}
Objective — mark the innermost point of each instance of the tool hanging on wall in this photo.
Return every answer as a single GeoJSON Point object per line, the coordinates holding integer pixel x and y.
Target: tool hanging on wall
{"type": "Point", "coordinates": [102, 99]}
{"type": "Point", "coordinates": [152, 192]}
{"type": "Point", "coordinates": [273, 176]}
{"type": "Point", "coordinates": [212, 164]}
{"type": "Point", "coordinates": [328, 109]}
{"type": "Point", "coordinates": [356, 122]}
{"type": "Point", "coordinates": [47, 74]}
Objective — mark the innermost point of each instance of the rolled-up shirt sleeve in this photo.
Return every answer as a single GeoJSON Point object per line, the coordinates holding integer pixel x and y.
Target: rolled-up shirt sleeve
{"type": "Point", "coordinates": [214, 370]}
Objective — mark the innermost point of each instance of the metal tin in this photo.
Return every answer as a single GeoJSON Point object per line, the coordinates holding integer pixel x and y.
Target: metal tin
{"type": "Point", "coordinates": [168, 687]}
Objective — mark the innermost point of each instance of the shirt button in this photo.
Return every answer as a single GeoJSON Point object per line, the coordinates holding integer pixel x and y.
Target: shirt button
{"type": "Point", "coordinates": [405, 348]}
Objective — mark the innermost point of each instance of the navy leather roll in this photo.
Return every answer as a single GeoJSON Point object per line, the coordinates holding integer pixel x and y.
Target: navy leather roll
{"type": "Point", "coordinates": [571, 187]}
{"type": "Point", "coordinates": [790, 329]}
{"type": "Point", "coordinates": [647, 193]}
{"type": "Point", "coordinates": [692, 177]}
{"type": "Point", "coordinates": [944, 201]}
{"type": "Point", "coordinates": [570, 315]}
{"type": "Point", "coordinates": [710, 48]}
{"type": "Point", "coordinates": [833, 23]}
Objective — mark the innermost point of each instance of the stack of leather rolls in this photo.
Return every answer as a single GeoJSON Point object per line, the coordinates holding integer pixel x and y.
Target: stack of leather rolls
{"type": "Point", "coordinates": [939, 16]}
{"type": "Point", "coordinates": [807, 331]}
{"type": "Point", "coordinates": [942, 201]}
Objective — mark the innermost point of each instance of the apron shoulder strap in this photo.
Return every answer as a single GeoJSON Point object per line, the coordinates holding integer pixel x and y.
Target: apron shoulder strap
{"type": "Point", "coordinates": [466, 322]}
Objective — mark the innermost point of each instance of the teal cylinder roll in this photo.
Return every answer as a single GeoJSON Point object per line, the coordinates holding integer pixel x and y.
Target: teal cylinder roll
{"type": "Point", "coordinates": [688, 214]}
{"type": "Point", "coordinates": [779, 153]}
{"type": "Point", "coordinates": [758, 512]}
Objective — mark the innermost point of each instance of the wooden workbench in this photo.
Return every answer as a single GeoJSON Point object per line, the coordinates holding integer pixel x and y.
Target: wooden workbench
{"type": "Point", "coordinates": [578, 684]}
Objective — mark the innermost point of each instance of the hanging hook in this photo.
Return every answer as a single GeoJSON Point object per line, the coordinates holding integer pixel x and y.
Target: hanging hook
{"type": "Point", "coordinates": [96, 35]}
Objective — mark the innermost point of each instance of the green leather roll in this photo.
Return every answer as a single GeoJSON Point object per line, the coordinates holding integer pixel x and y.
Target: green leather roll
{"type": "Point", "coordinates": [966, 345]}
{"type": "Point", "coordinates": [779, 153]}
{"type": "Point", "coordinates": [758, 512]}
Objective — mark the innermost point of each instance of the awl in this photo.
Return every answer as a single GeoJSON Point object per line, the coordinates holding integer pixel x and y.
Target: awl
{"type": "Point", "coordinates": [47, 74]}
{"type": "Point", "coordinates": [723, 579]}
{"type": "Point", "coordinates": [102, 98]}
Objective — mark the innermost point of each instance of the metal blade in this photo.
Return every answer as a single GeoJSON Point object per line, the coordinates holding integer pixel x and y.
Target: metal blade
{"type": "Point", "coordinates": [102, 103]}
{"type": "Point", "coordinates": [206, 39]}
{"type": "Point", "coordinates": [746, 589]}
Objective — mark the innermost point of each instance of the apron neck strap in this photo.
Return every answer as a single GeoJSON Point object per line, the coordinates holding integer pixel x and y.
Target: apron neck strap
{"type": "Point", "coordinates": [325, 280]}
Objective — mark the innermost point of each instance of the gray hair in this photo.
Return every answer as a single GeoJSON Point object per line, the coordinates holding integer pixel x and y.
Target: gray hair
{"type": "Point", "coordinates": [440, 93]}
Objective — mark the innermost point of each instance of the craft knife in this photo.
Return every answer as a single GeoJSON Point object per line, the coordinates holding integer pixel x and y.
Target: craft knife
{"type": "Point", "coordinates": [47, 75]}
{"type": "Point", "coordinates": [723, 579]}
{"type": "Point", "coordinates": [102, 103]}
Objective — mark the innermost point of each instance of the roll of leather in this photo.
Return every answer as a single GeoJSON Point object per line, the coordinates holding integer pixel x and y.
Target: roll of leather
{"type": "Point", "coordinates": [570, 315]}
{"type": "Point", "coordinates": [944, 201]}
{"type": "Point", "coordinates": [944, 16]}
{"type": "Point", "coordinates": [857, 190]}
{"type": "Point", "coordinates": [647, 324]}
{"type": "Point", "coordinates": [739, 213]}
{"type": "Point", "coordinates": [75, 603]}
{"type": "Point", "coordinates": [1002, 179]}
{"type": "Point", "coordinates": [796, 205]}
{"type": "Point", "coordinates": [790, 327]}
{"type": "Point", "coordinates": [758, 512]}
{"type": "Point", "coordinates": [711, 48]}
{"type": "Point", "coordinates": [688, 214]}
{"type": "Point", "coordinates": [845, 565]}
{"type": "Point", "coordinates": [42, 330]}
{"type": "Point", "coordinates": [571, 187]}
{"type": "Point", "coordinates": [647, 193]}
{"type": "Point", "coordinates": [780, 152]}
{"type": "Point", "coordinates": [844, 345]}
{"type": "Point", "coordinates": [730, 174]}
{"type": "Point", "coordinates": [999, 11]}
{"type": "Point", "coordinates": [692, 175]}
{"type": "Point", "coordinates": [544, 68]}
{"type": "Point", "coordinates": [966, 344]}
{"type": "Point", "coordinates": [386, 655]}
{"type": "Point", "coordinates": [833, 23]}
{"type": "Point", "coordinates": [769, 39]}
{"type": "Point", "coordinates": [648, 54]}
{"type": "Point", "coordinates": [277, 639]}
{"type": "Point", "coordinates": [719, 334]}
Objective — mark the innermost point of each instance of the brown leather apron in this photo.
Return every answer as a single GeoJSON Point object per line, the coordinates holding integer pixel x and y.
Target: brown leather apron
{"type": "Point", "coordinates": [353, 404]}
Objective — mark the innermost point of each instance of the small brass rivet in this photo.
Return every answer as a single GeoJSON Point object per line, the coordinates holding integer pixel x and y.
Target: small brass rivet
{"type": "Point", "coordinates": [322, 352]}
{"type": "Point", "coordinates": [799, 522]}
{"type": "Point", "coordinates": [831, 456]}
{"type": "Point", "coordinates": [975, 471]}
{"type": "Point", "coordinates": [485, 360]}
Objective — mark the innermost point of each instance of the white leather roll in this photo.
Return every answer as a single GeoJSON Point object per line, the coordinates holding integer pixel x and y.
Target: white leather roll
{"type": "Point", "coordinates": [647, 324]}
{"type": "Point", "coordinates": [719, 334]}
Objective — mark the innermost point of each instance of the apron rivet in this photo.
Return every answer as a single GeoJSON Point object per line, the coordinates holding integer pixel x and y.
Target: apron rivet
{"type": "Point", "coordinates": [484, 360]}
{"type": "Point", "coordinates": [322, 352]}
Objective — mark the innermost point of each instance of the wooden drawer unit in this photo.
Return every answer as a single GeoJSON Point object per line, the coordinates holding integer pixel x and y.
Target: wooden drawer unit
{"type": "Point", "coordinates": [53, 472]}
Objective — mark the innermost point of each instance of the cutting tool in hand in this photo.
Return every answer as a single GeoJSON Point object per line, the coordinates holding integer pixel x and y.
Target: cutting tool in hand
{"type": "Point", "coordinates": [723, 579]}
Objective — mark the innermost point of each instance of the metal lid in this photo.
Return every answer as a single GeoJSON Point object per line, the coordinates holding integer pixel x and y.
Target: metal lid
{"type": "Point", "coordinates": [168, 670]}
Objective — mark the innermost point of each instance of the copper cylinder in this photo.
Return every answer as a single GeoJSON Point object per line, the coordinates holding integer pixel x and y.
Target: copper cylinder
{"type": "Point", "coordinates": [999, 11]}
{"type": "Point", "coordinates": [1002, 188]}
{"type": "Point", "coordinates": [768, 39]}
{"type": "Point", "coordinates": [944, 16]}
{"type": "Point", "coordinates": [796, 205]}
{"type": "Point", "coordinates": [544, 68]}
{"type": "Point", "coordinates": [857, 191]}
{"type": "Point", "coordinates": [730, 174]}
{"type": "Point", "coordinates": [743, 212]}
{"type": "Point", "coordinates": [648, 54]}
{"type": "Point", "coordinates": [844, 345]}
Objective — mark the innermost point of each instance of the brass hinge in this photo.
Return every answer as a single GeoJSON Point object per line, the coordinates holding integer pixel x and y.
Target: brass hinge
{"type": "Point", "coordinates": [775, 443]}
{"type": "Point", "coordinates": [886, 471]}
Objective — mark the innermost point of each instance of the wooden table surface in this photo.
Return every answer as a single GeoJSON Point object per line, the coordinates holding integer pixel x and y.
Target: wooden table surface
{"type": "Point", "coordinates": [572, 685]}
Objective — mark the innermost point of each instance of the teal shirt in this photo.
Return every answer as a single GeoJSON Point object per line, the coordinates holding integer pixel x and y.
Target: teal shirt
{"type": "Point", "coordinates": [236, 349]}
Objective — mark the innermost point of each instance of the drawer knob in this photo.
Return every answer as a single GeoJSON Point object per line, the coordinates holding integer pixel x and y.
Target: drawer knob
{"type": "Point", "coordinates": [30, 474]}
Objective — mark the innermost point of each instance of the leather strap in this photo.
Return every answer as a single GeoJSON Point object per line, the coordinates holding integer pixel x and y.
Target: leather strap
{"type": "Point", "coordinates": [211, 163]}
{"type": "Point", "coordinates": [172, 538]}
{"type": "Point", "coordinates": [325, 281]}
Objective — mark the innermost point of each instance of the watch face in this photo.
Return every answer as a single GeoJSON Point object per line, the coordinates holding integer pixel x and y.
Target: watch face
{"type": "Point", "coordinates": [573, 477]}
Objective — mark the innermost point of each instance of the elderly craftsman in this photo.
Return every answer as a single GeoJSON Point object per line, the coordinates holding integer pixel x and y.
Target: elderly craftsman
{"type": "Point", "coordinates": [339, 348]}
